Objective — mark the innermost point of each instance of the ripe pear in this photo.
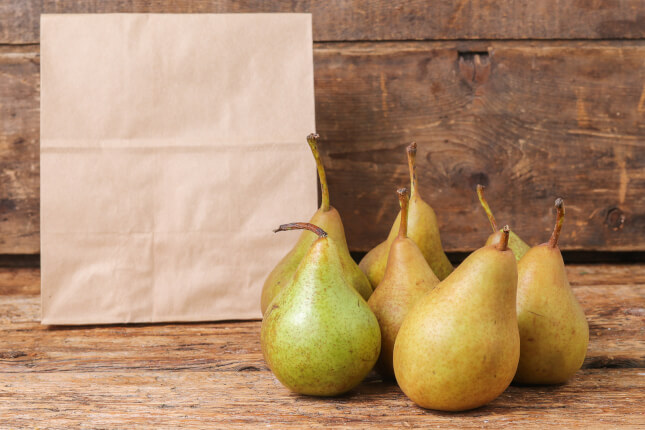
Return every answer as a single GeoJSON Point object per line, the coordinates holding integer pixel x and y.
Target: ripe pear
{"type": "Point", "coordinates": [319, 337]}
{"type": "Point", "coordinates": [408, 277]}
{"type": "Point", "coordinates": [328, 218]}
{"type": "Point", "coordinates": [422, 229]}
{"type": "Point", "coordinates": [553, 329]}
{"type": "Point", "coordinates": [517, 245]}
{"type": "Point", "coordinates": [458, 348]}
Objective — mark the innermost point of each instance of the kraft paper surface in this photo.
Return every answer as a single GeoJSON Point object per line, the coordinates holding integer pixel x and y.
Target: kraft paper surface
{"type": "Point", "coordinates": [171, 147]}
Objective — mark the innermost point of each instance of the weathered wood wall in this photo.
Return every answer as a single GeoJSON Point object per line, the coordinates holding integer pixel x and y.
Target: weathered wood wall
{"type": "Point", "coordinates": [535, 100]}
{"type": "Point", "coordinates": [344, 20]}
{"type": "Point", "coordinates": [531, 121]}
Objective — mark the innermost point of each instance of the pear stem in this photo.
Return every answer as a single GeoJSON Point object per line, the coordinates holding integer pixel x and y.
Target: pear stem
{"type": "Point", "coordinates": [302, 226]}
{"type": "Point", "coordinates": [412, 166]}
{"type": "Point", "coordinates": [503, 242]}
{"type": "Point", "coordinates": [559, 205]}
{"type": "Point", "coordinates": [484, 203]}
{"type": "Point", "coordinates": [312, 139]}
{"type": "Point", "coordinates": [404, 200]}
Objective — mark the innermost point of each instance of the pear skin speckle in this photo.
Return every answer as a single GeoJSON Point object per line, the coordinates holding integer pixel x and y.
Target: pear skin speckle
{"type": "Point", "coordinates": [458, 348]}
{"type": "Point", "coordinates": [320, 337]}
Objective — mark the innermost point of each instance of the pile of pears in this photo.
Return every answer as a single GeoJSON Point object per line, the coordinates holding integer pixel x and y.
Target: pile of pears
{"type": "Point", "coordinates": [453, 339]}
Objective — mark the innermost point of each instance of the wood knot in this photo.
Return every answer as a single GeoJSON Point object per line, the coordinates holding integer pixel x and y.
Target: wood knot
{"type": "Point", "coordinates": [615, 219]}
{"type": "Point", "coordinates": [8, 355]}
{"type": "Point", "coordinates": [247, 368]}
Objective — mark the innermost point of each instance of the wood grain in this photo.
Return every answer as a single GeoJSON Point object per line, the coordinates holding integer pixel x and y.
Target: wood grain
{"type": "Point", "coordinates": [19, 281]}
{"type": "Point", "coordinates": [606, 274]}
{"type": "Point", "coordinates": [249, 399]}
{"type": "Point", "coordinates": [614, 305]}
{"type": "Point", "coordinates": [213, 375]}
{"type": "Point", "coordinates": [19, 161]}
{"type": "Point", "coordinates": [19, 21]}
{"type": "Point", "coordinates": [530, 121]}
{"type": "Point", "coordinates": [343, 20]}
{"type": "Point", "coordinates": [26, 280]}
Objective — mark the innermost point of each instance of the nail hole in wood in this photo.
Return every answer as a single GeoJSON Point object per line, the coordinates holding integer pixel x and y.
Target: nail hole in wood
{"type": "Point", "coordinates": [474, 66]}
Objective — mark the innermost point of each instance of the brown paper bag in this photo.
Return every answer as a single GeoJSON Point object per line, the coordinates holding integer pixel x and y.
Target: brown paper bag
{"type": "Point", "coordinates": [171, 146]}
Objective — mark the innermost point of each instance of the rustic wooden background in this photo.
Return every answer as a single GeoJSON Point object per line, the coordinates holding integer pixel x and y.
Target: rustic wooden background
{"type": "Point", "coordinates": [534, 99]}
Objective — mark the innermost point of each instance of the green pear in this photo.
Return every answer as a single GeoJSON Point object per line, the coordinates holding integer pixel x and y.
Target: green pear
{"type": "Point", "coordinates": [319, 337]}
{"type": "Point", "coordinates": [458, 348]}
{"type": "Point", "coordinates": [422, 229]}
{"type": "Point", "coordinates": [517, 245]}
{"type": "Point", "coordinates": [408, 277]}
{"type": "Point", "coordinates": [553, 329]}
{"type": "Point", "coordinates": [329, 220]}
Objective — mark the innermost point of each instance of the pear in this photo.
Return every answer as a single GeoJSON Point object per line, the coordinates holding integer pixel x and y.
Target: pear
{"type": "Point", "coordinates": [328, 218]}
{"type": "Point", "coordinates": [408, 277]}
{"type": "Point", "coordinates": [553, 329]}
{"type": "Point", "coordinates": [319, 337]}
{"type": "Point", "coordinates": [422, 229]}
{"type": "Point", "coordinates": [517, 245]}
{"type": "Point", "coordinates": [458, 348]}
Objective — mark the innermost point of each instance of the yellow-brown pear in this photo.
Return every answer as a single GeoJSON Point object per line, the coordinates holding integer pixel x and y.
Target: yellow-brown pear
{"type": "Point", "coordinates": [458, 348]}
{"type": "Point", "coordinates": [553, 329]}
{"type": "Point", "coordinates": [407, 278]}
{"type": "Point", "coordinates": [422, 229]}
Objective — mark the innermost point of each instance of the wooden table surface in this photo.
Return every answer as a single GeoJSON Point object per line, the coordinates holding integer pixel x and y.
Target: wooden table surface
{"type": "Point", "coordinates": [212, 375]}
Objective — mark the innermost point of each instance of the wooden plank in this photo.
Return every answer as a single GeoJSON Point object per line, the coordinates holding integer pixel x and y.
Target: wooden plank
{"type": "Point", "coordinates": [606, 274]}
{"type": "Point", "coordinates": [616, 325]}
{"type": "Point", "coordinates": [19, 21]}
{"type": "Point", "coordinates": [19, 160]}
{"type": "Point", "coordinates": [26, 280]}
{"type": "Point", "coordinates": [535, 121]}
{"type": "Point", "coordinates": [530, 121]}
{"type": "Point", "coordinates": [178, 399]}
{"type": "Point", "coordinates": [615, 314]}
{"type": "Point", "coordinates": [19, 281]}
{"type": "Point", "coordinates": [197, 375]}
{"type": "Point", "coordinates": [342, 20]}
